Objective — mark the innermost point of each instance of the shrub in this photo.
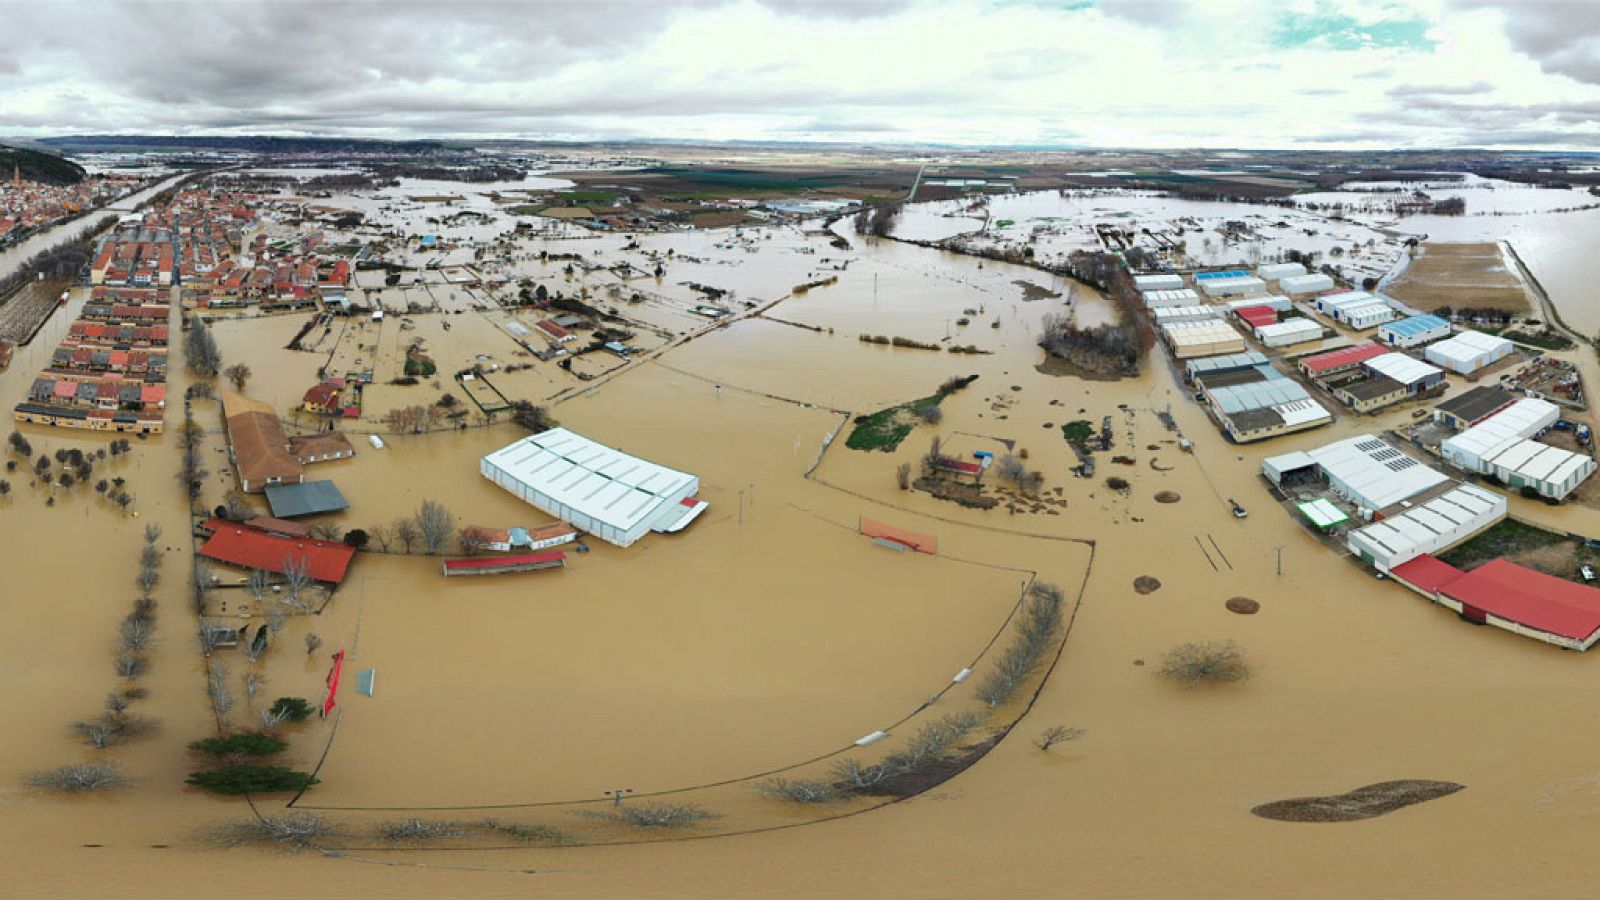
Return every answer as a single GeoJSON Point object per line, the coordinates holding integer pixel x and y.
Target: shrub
{"type": "Point", "coordinates": [419, 830]}
{"type": "Point", "coordinates": [232, 781]}
{"type": "Point", "coordinates": [658, 815]}
{"type": "Point", "coordinates": [799, 791]}
{"type": "Point", "coordinates": [1194, 664]}
{"type": "Point", "coordinates": [291, 709]}
{"type": "Point", "coordinates": [245, 743]}
{"type": "Point", "coordinates": [297, 831]}
{"type": "Point", "coordinates": [543, 834]}
{"type": "Point", "coordinates": [79, 778]}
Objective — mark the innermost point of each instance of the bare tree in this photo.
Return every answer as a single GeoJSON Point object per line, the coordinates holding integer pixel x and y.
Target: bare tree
{"type": "Point", "coordinates": [79, 778]}
{"type": "Point", "coordinates": [383, 535]}
{"type": "Point", "coordinates": [473, 540]}
{"type": "Point", "coordinates": [902, 476]}
{"type": "Point", "coordinates": [1197, 663]}
{"type": "Point", "coordinates": [131, 665]}
{"type": "Point", "coordinates": [1011, 469]}
{"type": "Point", "coordinates": [405, 531]}
{"type": "Point", "coordinates": [326, 531]}
{"type": "Point", "coordinates": [217, 687]}
{"type": "Point", "coordinates": [252, 682]}
{"type": "Point", "coordinates": [136, 633]}
{"type": "Point", "coordinates": [201, 582]}
{"type": "Point", "coordinates": [296, 578]}
{"type": "Point", "coordinates": [312, 642]}
{"type": "Point", "coordinates": [239, 374]}
{"type": "Point", "coordinates": [269, 720]}
{"type": "Point", "coordinates": [259, 582]}
{"type": "Point", "coordinates": [435, 524]}
{"type": "Point", "coordinates": [1057, 734]}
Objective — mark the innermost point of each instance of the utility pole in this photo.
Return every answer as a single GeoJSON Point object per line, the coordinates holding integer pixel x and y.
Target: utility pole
{"type": "Point", "coordinates": [1280, 559]}
{"type": "Point", "coordinates": [616, 795]}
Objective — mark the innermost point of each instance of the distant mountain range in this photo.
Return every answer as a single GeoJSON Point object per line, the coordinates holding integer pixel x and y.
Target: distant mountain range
{"type": "Point", "coordinates": [34, 165]}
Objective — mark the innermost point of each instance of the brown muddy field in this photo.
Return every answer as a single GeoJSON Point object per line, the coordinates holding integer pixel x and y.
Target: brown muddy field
{"type": "Point", "coordinates": [770, 633]}
{"type": "Point", "coordinates": [1461, 275]}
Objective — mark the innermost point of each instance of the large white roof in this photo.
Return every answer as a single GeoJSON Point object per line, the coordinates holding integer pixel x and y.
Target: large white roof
{"type": "Point", "coordinates": [599, 481]}
{"type": "Point", "coordinates": [1522, 419]}
{"type": "Point", "coordinates": [1402, 368]}
{"type": "Point", "coordinates": [1299, 325]}
{"type": "Point", "coordinates": [1468, 346]}
{"type": "Point", "coordinates": [1378, 473]}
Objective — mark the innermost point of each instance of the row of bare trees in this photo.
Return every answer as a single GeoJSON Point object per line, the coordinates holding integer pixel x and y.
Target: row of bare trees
{"type": "Point", "coordinates": [116, 723]}
{"type": "Point", "coordinates": [430, 528]}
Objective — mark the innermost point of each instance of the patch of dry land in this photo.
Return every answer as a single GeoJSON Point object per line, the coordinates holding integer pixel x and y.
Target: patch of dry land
{"type": "Point", "coordinates": [1473, 276]}
{"type": "Point", "coordinates": [721, 677]}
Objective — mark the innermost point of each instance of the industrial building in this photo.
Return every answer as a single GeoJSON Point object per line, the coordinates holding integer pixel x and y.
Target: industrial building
{"type": "Point", "coordinates": [1245, 285]}
{"type": "Point", "coordinates": [1468, 409]}
{"type": "Point", "coordinates": [1306, 284]}
{"type": "Point", "coordinates": [1298, 330]}
{"type": "Point", "coordinates": [1259, 402]}
{"type": "Point", "coordinates": [1255, 316]}
{"type": "Point", "coordinates": [1334, 362]}
{"type": "Point", "coordinates": [1198, 369]}
{"type": "Point", "coordinates": [1273, 302]}
{"type": "Point", "coordinates": [1178, 297]}
{"type": "Point", "coordinates": [1365, 471]}
{"type": "Point", "coordinates": [1442, 522]}
{"type": "Point", "coordinates": [1468, 351]}
{"type": "Point", "coordinates": [1279, 271]}
{"type": "Point", "coordinates": [1551, 472]}
{"type": "Point", "coordinates": [1200, 313]}
{"type": "Point", "coordinates": [1357, 309]}
{"type": "Point", "coordinates": [1165, 281]}
{"type": "Point", "coordinates": [1205, 338]}
{"type": "Point", "coordinates": [1415, 374]}
{"type": "Point", "coordinates": [1413, 331]}
{"type": "Point", "coordinates": [1523, 420]}
{"type": "Point", "coordinates": [1370, 394]}
{"type": "Point", "coordinates": [595, 488]}
{"type": "Point", "coordinates": [1515, 598]}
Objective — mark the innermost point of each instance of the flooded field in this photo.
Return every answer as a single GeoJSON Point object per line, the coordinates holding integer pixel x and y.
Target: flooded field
{"type": "Point", "coordinates": [771, 632]}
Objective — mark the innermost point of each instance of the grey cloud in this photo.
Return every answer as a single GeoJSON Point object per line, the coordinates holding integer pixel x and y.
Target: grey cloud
{"type": "Point", "coordinates": [1562, 36]}
{"type": "Point", "coordinates": [1441, 90]}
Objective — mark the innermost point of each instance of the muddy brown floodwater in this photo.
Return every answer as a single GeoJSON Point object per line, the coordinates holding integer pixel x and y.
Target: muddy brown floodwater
{"type": "Point", "coordinates": [770, 632]}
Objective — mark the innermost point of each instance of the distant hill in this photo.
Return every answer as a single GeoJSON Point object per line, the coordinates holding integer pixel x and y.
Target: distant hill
{"type": "Point", "coordinates": [267, 144]}
{"type": "Point", "coordinates": [36, 166]}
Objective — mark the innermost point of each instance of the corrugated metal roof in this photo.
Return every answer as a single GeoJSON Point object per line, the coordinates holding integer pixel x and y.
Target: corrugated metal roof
{"type": "Point", "coordinates": [1402, 368]}
{"type": "Point", "coordinates": [1415, 325]}
{"type": "Point", "coordinates": [601, 482]}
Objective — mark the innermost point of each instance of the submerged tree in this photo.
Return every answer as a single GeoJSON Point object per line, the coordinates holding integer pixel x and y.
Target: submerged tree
{"type": "Point", "coordinates": [200, 350]}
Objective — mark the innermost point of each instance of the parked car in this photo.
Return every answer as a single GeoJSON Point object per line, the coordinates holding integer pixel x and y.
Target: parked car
{"type": "Point", "coordinates": [1587, 571]}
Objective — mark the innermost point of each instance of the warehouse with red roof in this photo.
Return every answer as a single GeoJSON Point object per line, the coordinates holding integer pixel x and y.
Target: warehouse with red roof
{"type": "Point", "coordinates": [1509, 596]}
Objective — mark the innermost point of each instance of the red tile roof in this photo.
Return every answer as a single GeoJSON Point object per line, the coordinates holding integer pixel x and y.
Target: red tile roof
{"type": "Point", "coordinates": [239, 545]}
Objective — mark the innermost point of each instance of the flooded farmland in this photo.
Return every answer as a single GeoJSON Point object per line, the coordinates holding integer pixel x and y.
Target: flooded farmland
{"type": "Point", "coordinates": [772, 633]}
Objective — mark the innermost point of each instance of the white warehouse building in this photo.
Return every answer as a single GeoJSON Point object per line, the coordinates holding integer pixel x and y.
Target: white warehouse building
{"type": "Point", "coordinates": [1288, 332]}
{"type": "Point", "coordinates": [1357, 309]}
{"type": "Point", "coordinates": [1239, 286]}
{"type": "Point", "coordinates": [1305, 284]}
{"type": "Point", "coordinates": [1179, 297]}
{"type": "Point", "coordinates": [1201, 313]}
{"type": "Point", "coordinates": [1280, 271]}
{"type": "Point", "coordinates": [1523, 420]}
{"type": "Point", "coordinates": [1444, 521]}
{"type": "Point", "coordinates": [1549, 471]}
{"type": "Point", "coordinates": [1364, 470]}
{"type": "Point", "coordinates": [1274, 302]}
{"type": "Point", "coordinates": [1208, 337]}
{"type": "Point", "coordinates": [1166, 281]}
{"type": "Point", "coordinates": [1468, 351]}
{"type": "Point", "coordinates": [595, 488]}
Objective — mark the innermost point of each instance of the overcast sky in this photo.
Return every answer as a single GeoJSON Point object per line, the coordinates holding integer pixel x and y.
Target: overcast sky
{"type": "Point", "coordinates": [1160, 73]}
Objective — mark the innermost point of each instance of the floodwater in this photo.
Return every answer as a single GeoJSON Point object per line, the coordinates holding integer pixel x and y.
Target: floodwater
{"type": "Point", "coordinates": [770, 632]}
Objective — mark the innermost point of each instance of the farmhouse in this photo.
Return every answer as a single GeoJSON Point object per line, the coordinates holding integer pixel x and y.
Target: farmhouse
{"type": "Point", "coordinates": [595, 488]}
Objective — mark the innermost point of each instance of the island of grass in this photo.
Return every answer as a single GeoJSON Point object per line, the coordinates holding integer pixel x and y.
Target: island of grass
{"type": "Point", "coordinates": [886, 428]}
{"type": "Point", "coordinates": [1550, 552]}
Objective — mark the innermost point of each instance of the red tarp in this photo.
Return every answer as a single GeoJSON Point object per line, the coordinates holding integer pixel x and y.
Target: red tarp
{"type": "Point", "coordinates": [329, 702]}
{"type": "Point", "coordinates": [923, 543]}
